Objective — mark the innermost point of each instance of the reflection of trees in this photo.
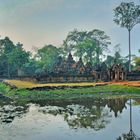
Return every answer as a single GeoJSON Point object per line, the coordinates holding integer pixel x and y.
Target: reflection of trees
{"type": "Point", "coordinates": [89, 113]}
{"type": "Point", "coordinates": [9, 112]}
{"type": "Point", "coordinates": [93, 113]}
{"type": "Point", "coordinates": [130, 135]}
{"type": "Point", "coordinates": [80, 116]}
{"type": "Point", "coordinates": [136, 101]}
{"type": "Point", "coordinates": [4, 100]}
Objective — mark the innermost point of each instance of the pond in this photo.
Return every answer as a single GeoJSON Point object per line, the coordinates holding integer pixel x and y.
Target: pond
{"type": "Point", "coordinates": [90, 119]}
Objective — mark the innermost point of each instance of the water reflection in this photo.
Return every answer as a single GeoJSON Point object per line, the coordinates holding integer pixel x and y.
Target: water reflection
{"type": "Point", "coordinates": [130, 135]}
{"type": "Point", "coordinates": [9, 110]}
{"type": "Point", "coordinates": [95, 113]}
{"type": "Point", "coordinates": [97, 118]}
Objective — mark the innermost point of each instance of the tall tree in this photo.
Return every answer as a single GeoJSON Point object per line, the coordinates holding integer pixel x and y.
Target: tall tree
{"type": "Point", "coordinates": [109, 60]}
{"type": "Point", "coordinates": [89, 47]}
{"type": "Point", "coordinates": [127, 15]}
{"type": "Point", "coordinates": [73, 38]}
{"type": "Point", "coordinates": [19, 57]}
{"type": "Point", "coordinates": [87, 44]}
{"type": "Point", "coordinates": [6, 49]}
{"type": "Point", "coordinates": [12, 57]}
{"type": "Point", "coordinates": [48, 56]}
{"type": "Point", "coordinates": [117, 55]}
{"type": "Point", "coordinates": [102, 42]}
{"type": "Point", "coordinates": [136, 60]}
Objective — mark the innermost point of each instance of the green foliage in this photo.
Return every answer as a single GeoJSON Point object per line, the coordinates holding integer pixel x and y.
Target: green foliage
{"type": "Point", "coordinates": [70, 93]}
{"type": "Point", "coordinates": [20, 55]}
{"type": "Point", "coordinates": [117, 56]}
{"type": "Point", "coordinates": [127, 15]}
{"type": "Point", "coordinates": [87, 45]}
{"type": "Point", "coordinates": [12, 57]}
{"type": "Point", "coordinates": [73, 38]}
{"type": "Point", "coordinates": [4, 88]}
{"type": "Point", "coordinates": [109, 60]}
{"type": "Point", "coordinates": [48, 56]}
{"type": "Point", "coordinates": [137, 63]}
{"type": "Point", "coordinates": [32, 67]}
{"type": "Point", "coordinates": [86, 50]}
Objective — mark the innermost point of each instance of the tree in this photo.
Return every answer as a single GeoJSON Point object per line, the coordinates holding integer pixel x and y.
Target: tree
{"type": "Point", "coordinates": [48, 56]}
{"type": "Point", "coordinates": [109, 60]}
{"type": "Point", "coordinates": [102, 42]}
{"type": "Point", "coordinates": [127, 15]}
{"type": "Point", "coordinates": [73, 38]}
{"type": "Point", "coordinates": [117, 56]}
{"type": "Point", "coordinates": [19, 57]}
{"type": "Point", "coordinates": [136, 60]}
{"type": "Point", "coordinates": [6, 48]}
{"type": "Point", "coordinates": [12, 57]}
{"type": "Point", "coordinates": [87, 44]}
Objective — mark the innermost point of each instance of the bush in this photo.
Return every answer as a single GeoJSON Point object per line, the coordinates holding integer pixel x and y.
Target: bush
{"type": "Point", "coordinates": [4, 88]}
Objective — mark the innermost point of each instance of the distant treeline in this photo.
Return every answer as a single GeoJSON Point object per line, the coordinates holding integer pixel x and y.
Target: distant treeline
{"type": "Point", "coordinates": [90, 46]}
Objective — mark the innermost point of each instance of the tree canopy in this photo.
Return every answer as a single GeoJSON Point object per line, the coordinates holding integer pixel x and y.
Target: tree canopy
{"type": "Point", "coordinates": [89, 47]}
{"type": "Point", "coordinates": [12, 57]}
{"type": "Point", "coordinates": [87, 44]}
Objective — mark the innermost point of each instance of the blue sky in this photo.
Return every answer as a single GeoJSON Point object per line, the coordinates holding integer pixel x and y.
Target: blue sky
{"type": "Point", "coordinates": [40, 22]}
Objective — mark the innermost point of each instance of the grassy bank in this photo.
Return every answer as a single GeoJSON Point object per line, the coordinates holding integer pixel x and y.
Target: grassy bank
{"type": "Point", "coordinates": [20, 84]}
{"type": "Point", "coordinates": [105, 91]}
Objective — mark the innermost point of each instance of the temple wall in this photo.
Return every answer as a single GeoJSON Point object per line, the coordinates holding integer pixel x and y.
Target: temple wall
{"type": "Point", "coordinates": [133, 76]}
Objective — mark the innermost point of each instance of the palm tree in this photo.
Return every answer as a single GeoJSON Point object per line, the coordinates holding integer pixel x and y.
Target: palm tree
{"type": "Point", "coordinates": [127, 15]}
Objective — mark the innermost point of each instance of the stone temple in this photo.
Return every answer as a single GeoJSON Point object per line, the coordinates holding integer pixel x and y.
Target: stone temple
{"type": "Point", "coordinates": [71, 71]}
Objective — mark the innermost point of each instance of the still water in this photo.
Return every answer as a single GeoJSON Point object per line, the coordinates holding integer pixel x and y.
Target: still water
{"type": "Point", "coordinates": [91, 119]}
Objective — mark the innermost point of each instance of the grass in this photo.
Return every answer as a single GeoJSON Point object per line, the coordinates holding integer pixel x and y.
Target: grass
{"type": "Point", "coordinates": [4, 88]}
{"type": "Point", "coordinates": [68, 93]}
{"type": "Point", "coordinates": [26, 84]}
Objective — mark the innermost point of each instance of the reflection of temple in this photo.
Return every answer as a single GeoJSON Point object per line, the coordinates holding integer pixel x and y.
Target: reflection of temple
{"type": "Point", "coordinates": [71, 71]}
{"type": "Point", "coordinates": [90, 114]}
{"type": "Point", "coordinates": [117, 105]}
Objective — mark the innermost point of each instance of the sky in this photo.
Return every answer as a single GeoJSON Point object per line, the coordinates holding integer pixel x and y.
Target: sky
{"type": "Point", "coordinates": [38, 22]}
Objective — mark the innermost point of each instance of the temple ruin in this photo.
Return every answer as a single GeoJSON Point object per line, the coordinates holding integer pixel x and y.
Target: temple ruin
{"type": "Point", "coordinates": [71, 71]}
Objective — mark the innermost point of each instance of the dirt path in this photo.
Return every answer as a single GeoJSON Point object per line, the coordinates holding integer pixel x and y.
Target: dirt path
{"type": "Point", "coordinates": [32, 85]}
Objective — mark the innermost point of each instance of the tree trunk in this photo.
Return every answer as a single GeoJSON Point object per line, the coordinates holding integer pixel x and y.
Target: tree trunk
{"type": "Point", "coordinates": [8, 70]}
{"type": "Point", "coordinates": [90, 57]}
{"type": "Point", "coordinates": [129, 31]}
{"type": "Point", "coordinates": [98, 53]}
{"type": "Point", "coordinates": [97, 58]}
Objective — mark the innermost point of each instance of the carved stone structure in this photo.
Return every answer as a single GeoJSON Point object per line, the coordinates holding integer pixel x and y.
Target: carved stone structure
{"type": "Point", "coordinates": [117, 73]}
{"type": "Point", "coordinates": [69, 67]}
{"type": "Point", "coordinates": [133, 76]}
{"type": "Point", "coordinates": [70, 71]}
